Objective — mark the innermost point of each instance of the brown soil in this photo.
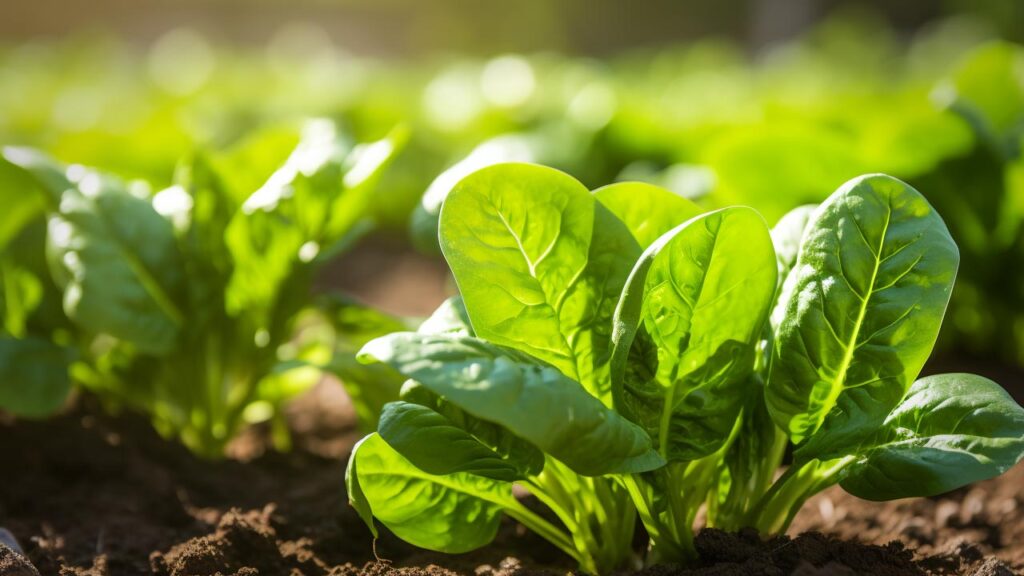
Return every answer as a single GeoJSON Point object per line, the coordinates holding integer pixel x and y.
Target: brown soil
{"type": "Point", "coordinates": [93, 495]}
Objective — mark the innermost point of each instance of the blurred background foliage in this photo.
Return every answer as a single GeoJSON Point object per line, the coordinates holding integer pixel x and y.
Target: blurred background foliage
{"type": "Point", "coordinates": [770, 103]}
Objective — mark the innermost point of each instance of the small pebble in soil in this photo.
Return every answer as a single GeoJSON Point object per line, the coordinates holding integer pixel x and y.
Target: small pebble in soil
{"type": "Point", "coordinates": [8, 539]}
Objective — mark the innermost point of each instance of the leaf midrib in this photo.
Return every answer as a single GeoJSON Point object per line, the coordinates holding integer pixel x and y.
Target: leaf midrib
{"type": "Point", "coordinates": [838, 383]}
{"type": "Point", "coordinates": [532, 266]}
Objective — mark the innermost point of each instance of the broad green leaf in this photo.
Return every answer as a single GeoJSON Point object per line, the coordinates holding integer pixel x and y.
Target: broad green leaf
{"type": "Point", "coordinates": [950, 430]}
{"type": "Point", "coordinates": [539, 264]}
{"type": "Point", "coordinates": [19, 199]}
{"type": "Point", "coordinates": [787, 234]}
{"type": "Point", "coordinates": [437, 445]}
{"type": "Point", "coordinates": [495, 437]}
{"type": "Point", "coordinates": [648, 211]}
{"type": "Point", "coordinates": [356, 498]}
{"type": "Point", "coordinates": [315, 205]}
{"type": "Point", "coordinates": [115, 256]}
{"type": "Point", "coordinates": [424, 221]}
{"type": "Point", "coordinates": [449, 318]}
{"type": "Point", "coordinates": [860, 311]}
{"type": "Point", "coordinates": [33, 376]}
{"type": "Point", "coordinates": [247, 163]}
{"type": "Point", "coordinates": [453, 513]}
{"type": "Point", "coordinates": [699, 296]}
{"type": "Point", "coordinates": [284, 217]}
{"type": "Point", "coordinates": [531, 400]}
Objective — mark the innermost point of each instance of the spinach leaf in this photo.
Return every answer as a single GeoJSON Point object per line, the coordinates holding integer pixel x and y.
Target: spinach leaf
{"type": "Point", "coordinates": [438, 445]}
{"type": "Point", "coordinates": [701, 294]}
{"type": "Point", "coordinates": [648, 211]}
{"type": "Point", "coordinates": [950, 430]}
{"type": "Point", "coordinates": [449, 318]}
{"type": "Point", "coordinates": [451, 513]}
{"type": "Point", "coordinates": [860, 312]}
{"type": "Point", "coordinates": [539, 264]}
{"type": "Point", "coordinates": [528, 398]}
{"type": "Point", "coordinates": [113, 254]}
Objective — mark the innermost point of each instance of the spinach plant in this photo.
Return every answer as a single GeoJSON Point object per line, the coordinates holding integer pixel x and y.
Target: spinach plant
{"type": "Point", "coordinates": [622, 355]}
{"type": "Point", "coordinates": [192, 304]}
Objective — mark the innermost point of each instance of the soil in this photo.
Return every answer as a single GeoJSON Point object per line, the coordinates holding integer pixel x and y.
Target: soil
{"type": "Point", "coordinates": [91, 494]}
{"type": "Point", "coordinates": [87, 494]}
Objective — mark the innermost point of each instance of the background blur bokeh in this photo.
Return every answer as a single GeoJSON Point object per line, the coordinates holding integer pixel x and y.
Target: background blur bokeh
{"type": "Point", "coordinates": [771, 103]}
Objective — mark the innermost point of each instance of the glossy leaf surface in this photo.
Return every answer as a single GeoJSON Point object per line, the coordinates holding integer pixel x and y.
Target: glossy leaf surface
{"type": "Point", "coordinates": [860, 311]}
{"type": "Point", "coordinates": [699, 296]}
{"type": "Point", "coordinates": [951, 430]}
{"type": "Point", "coordinates": [531, 400]}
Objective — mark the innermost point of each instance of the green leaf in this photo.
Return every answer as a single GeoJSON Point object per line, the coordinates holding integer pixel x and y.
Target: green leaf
{"type": "Point", "coordinates": [356, 498]}
{"type": "Point", "coordinates": [423, 225]}
{"type": "Point", "coordinates": [20, 293]}
{"type": "Point", "coordinates": [453, 513]}
{"type": "Point", "coordinates": [315, 205]}
{"type": "Point", "coordinates": [860, 311]}
{"type": "Point", "coordinates": [284, 217]}
{"type": "Point", "coordinates": [950, 430]}
{"type": "Point", "coordinates": [20, 201]}
{"type": "Point", "coordinates": [987, 88]}
{"type": "Point", "coordinates": [787, 234]}
{"type": "Point", "coordinates": [438, 445]}
{"type": "Point", "coordinates": [648, 211]}
{"type": "Point", "coordinates": [115, 256]}
{"type": "Point", "coordinates": [33, 376]}
{"type": "Point", "coordinates": [449, 318]}
{"type": "Point", "coordinates": [525, 455]}
{"type": "Point", "coordinates": [531, 400]}
{"type": "Point", "coordinates": [700, 296]}
{"type": "Point", "coordinates": [539, 264]}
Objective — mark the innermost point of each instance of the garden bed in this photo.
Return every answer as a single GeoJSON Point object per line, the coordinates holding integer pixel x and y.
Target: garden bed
{"type": "Point", "coordinates": [90, 495]}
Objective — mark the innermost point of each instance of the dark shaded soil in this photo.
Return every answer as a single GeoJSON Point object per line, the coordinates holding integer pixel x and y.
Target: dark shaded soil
{"type": "Point", "coordinates": [91, 495]}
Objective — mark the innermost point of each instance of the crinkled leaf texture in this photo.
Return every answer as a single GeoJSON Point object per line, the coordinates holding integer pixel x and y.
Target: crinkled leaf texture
{"type": "Point", "coordinates": [114, 255]}
{"type": "Point", "coordinates": [539, 263]}
{"type": "Point", "coordinates": [530, 399]}
{"type": "Point", "coordinates": [451, 513]}
{"type": "Point", "coordinates": [700, 296]}
{"type": "Point", "coordinates": [860, 313]}
{"type": "Point", "coordinates": [951, 430]}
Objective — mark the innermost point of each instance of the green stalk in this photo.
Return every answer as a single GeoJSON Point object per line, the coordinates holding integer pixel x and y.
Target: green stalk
{"type": "Point", "coordinates": [776, 510]}
{"type": "Point", "coordinates": [551, 533]}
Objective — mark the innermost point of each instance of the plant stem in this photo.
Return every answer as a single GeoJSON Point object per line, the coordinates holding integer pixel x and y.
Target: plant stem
{"type": "Point", "coordinates": [776, 510]}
